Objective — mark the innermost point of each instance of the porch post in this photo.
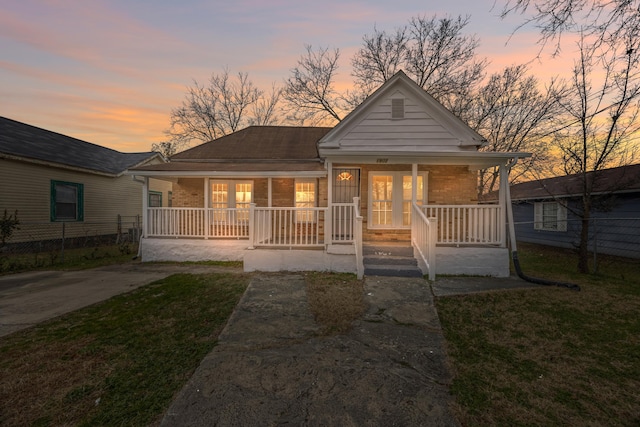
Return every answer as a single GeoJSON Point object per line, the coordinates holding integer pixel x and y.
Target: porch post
{"type": "Point", "coordinates": [207, 203]}
{"type": "Point", "coordinates": [252, 225]}
{"type": "Point", "coordinates": [269, 192]}
{"type": "Point", "coordinates": [414, 183]}
{"type": "Point", "coordinates": [502, 201]}
{"type": "Point", "coordinates": [328, 218]}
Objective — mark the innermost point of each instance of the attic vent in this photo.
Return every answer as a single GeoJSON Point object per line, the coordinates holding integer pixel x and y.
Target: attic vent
{"type": "Point", "coordinates": [397, 108]}
{"type": "Point", "coordinates": [382, 160]}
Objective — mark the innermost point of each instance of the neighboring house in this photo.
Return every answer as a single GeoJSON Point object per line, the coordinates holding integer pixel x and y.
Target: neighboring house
{"type": "Point", "coordinates": [547, 211]}
{"type": "Point", "coordinates": [51, 179]}
{"type": "Point", "coordinates": [399, 168]}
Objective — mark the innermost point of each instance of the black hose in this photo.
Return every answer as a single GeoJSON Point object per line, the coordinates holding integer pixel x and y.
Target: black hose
{"type": "Point", "coordinates": [516, 264]}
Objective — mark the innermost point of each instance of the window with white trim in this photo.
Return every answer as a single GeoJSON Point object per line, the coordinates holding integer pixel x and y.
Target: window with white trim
{"type": "Point", "coordinates": [231, 194]}
{"type": "Point", "coordinates": [550, 216]}
{"type": "Point", "coordinates": [305, 197]}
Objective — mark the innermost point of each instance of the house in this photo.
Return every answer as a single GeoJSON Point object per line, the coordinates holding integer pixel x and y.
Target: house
{"type": "Point", "coordinates": [547, 211]}
{"type": "Point", "coordinates": [53, 179]}
{"type": "Point", "coordinates": [399, 168]}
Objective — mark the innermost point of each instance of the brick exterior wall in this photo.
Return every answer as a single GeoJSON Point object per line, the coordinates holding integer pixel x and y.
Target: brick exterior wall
{"type": "Point", "coordinates": [446, 185]}
{"type": "Point", "coordinates": [188, 193]}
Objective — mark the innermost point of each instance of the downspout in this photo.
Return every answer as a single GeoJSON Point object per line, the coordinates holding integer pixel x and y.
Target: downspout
{"type": "Point", "coordinates": [514, 249]}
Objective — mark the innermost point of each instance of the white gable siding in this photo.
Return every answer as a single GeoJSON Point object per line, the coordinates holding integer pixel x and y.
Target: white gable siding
{"type": "Point", "coordinates": [418, 131]}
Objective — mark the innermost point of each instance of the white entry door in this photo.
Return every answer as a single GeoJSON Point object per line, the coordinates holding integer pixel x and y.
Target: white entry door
{"type": "Point", "coordinates": [390, 198]}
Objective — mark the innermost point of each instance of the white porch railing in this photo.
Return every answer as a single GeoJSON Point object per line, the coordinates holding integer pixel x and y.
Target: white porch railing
{"type": "Point", "coordinates": [343, 215]}
{"type": "Point", "coordinates": [467, 224]}
{"type": "Point", "coordinates": [175, 222]}
{"type": "Point", "coordinates": [287, 227]}
{"type": "Point", "coordinates": [198, 222]}
{"type": "Point", "coordinates": [423, 238]}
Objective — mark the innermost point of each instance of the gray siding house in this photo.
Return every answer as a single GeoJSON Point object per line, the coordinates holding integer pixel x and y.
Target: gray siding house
{"type": "Point", "coordinates": [547, 212]}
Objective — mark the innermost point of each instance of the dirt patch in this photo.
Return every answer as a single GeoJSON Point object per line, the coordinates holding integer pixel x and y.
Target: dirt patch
{"type": "Point", "coordinates": [335, 300]}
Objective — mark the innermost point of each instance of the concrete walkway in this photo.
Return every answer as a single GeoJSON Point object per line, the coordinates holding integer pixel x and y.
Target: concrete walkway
{"type": "Point", "coordinates": [272, 367]}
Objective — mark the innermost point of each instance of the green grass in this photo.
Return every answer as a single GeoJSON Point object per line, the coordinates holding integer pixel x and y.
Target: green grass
{"type": "Point", "coordinates": [72, 259]}
{"type": "Point", "coordinates": [548, 356]}
{"type": "Point", "coordinates": [119, 362]}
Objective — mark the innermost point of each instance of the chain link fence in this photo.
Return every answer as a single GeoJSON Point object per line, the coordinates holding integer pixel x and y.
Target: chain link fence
{"type": "Point", "coordinates": [617, 237]}
{"type": "Point", "coordinates": [34, 245]}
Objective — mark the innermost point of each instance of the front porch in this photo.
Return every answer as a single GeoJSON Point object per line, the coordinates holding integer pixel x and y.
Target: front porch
{"type": "Point", "coordinates": [446, 239]}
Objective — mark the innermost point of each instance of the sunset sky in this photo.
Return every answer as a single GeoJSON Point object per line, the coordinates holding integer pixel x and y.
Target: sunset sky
{"type": "Point", "coordinates": [109, 71]}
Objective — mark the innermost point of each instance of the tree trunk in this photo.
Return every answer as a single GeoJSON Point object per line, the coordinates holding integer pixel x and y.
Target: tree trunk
{"type": "Point", "coordinates": [583, 249]}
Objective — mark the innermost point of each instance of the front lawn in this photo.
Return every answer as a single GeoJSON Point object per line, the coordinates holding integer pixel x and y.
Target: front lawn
{"type": "Point", "coordinates": [119, 362]}
{"type": "Point", "coordinates": [548, 356]}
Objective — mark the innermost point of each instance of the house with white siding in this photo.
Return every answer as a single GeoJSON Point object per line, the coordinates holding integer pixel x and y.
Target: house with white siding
{"type": "Point", "coordinates": [392, 189]}
{"type": "Point", "coordinates": [52, 179]}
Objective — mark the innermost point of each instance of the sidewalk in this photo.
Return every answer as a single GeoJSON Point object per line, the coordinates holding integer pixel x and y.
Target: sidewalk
{"type": "Point", "coordinates": [272, 368]}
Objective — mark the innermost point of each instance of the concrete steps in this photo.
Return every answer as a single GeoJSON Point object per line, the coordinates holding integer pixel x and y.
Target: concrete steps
{"type": "Point", "coordinates": [388, 259]}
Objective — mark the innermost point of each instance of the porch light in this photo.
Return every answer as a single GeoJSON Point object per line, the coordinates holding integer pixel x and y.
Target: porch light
{"type": "Point", "coordinates": [344, 176]}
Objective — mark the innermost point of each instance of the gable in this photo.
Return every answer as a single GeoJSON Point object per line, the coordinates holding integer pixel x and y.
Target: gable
{"type": "Point", "coordinates": [400, 118]}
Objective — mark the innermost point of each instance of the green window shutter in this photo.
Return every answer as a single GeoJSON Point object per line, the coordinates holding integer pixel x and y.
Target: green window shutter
{"type": "Point", "coordinates": [52, 201]}
{"type": "Point", "coordinates": [80, 202]}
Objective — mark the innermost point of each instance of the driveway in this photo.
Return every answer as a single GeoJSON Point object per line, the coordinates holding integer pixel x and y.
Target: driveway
{"type": "Point", "coordinates": [29, 298]}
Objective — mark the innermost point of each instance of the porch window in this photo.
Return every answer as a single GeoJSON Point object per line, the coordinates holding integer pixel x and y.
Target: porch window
{"type": "Point", "coordinates": [231, 195]}
{"type": "Point", "coordinates": [67, 201]}
{"type": "Point", "coordinates": [382, 196]}
{"type": "Point", "coordinates": [550, 216]}
{"type": "Point", "coordinates": [306, 190]}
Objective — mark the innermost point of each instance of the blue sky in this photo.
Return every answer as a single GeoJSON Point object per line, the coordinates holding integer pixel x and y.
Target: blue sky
{"type": "Point", "coordinates": [109, 72]}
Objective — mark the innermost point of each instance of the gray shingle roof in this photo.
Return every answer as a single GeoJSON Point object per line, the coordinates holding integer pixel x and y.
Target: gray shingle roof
{"type": "Point", "coordinates": [260, 143]}
{"type": "Point", "coordinates": [614, 180]}
{"type": "Point", "coordinates": [253, 149]}
{"type": "Point", "coordinates": [30, 142]}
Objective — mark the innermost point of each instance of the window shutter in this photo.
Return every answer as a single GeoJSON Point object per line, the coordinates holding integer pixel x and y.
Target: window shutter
{"type": "Point", "coordinates": [562, 217]}
{"type": "Point", "coordinates": [80, 202]}
{"type": "Point", "coordinates": [537, 216]}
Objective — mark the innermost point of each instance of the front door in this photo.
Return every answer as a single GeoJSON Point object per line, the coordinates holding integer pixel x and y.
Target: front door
{"type": "Point", "coordinates": [390, 199]}
{"type": "Point", "coordinates": [346, 186]}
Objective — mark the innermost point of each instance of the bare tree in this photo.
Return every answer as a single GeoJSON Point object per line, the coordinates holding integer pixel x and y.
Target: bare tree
{"type": "Point", "coordinates": [224, 105]}
{"type": "Point", "coordinates": [380, 57]}
{"type": "Point", "coordinates": [602, 130]}
{"type": "Point", "coordinates": [265, 109]}
{"type": "Point", "coordinates": [608, 21]}
{"type": "Point", "coordinates": [434, 52]}
{"type": "Point", "coordinates": [310, 90]}
{"type": "Point", "coordinates": [513, 111]}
